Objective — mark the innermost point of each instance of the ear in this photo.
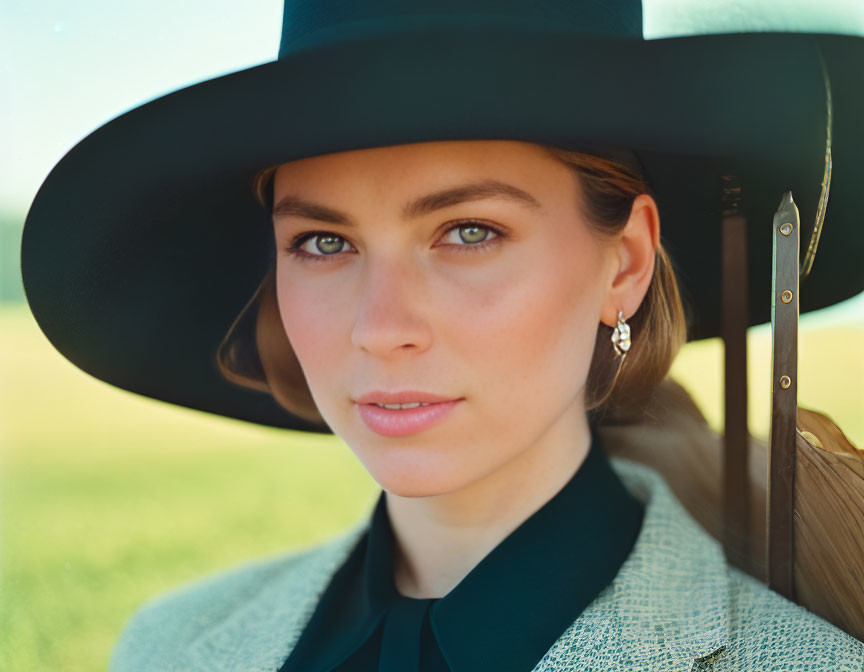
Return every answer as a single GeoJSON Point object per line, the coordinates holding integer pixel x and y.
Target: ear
{"type": "Point", "coordinates": [634, 254]}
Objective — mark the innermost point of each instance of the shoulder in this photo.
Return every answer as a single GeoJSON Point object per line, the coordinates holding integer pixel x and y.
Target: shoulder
{"type": "Point", "coordinates": [165, 628]}
{"type": "Point", "coordinates": [769, 632]}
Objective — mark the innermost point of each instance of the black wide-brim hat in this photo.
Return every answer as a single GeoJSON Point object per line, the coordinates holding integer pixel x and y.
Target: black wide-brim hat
{"type": "Point", "coordinates": [145, 241]}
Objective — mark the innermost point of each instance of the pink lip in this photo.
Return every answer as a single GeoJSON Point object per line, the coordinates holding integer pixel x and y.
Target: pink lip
{"type": "Point", "coordinates": [400, 422]}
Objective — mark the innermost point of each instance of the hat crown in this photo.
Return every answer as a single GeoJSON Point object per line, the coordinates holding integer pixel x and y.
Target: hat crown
{"type": "Point", "coordinates": [308, 23]}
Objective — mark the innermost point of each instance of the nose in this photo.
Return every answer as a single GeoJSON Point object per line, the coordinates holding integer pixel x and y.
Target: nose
{"type": "Point", "coordinates": [389, 309]}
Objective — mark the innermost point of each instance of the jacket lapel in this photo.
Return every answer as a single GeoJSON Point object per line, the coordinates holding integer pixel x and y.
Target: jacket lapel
{"type": "Point", "coordinates": [667, 607]}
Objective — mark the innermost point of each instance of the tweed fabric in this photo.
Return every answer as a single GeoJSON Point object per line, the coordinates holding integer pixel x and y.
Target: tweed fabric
{"type": "Point", "coordinates": [676, 605]}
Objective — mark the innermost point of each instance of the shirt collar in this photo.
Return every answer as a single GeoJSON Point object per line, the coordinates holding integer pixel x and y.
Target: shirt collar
{"type": "Point", "coordinates": [668, 605]}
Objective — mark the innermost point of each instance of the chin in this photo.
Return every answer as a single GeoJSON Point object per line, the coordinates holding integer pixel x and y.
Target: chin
{"type": "Point", "coordinates": [418, 481]}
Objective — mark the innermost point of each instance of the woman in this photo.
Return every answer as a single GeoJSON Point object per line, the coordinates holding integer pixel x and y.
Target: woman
{"type": "Point", "coordinates": [449, 219]}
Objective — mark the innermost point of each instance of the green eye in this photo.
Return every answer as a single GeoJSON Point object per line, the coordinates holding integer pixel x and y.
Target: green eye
{"type": "Point", "coordinates": [475, 234]}
{"type": "Point", "coordinates": [329, 244]}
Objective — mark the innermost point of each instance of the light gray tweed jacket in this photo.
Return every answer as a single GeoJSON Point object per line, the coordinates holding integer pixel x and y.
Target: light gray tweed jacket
{"type": "Point", "coordinates": [674, 606]}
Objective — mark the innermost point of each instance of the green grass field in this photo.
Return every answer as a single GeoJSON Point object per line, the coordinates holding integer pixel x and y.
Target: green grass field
{"type": "Point", "coordinates": [108, 498]}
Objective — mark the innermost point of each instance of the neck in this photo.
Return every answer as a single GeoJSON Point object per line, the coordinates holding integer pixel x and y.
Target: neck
{"type": "Point", "coordinates": [439, 539]}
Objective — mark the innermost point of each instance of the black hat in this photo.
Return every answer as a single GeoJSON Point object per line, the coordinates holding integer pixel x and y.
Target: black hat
{"type": "Point", "coordinates": [145, 241]}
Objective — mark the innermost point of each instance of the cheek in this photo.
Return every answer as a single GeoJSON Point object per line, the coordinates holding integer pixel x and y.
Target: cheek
{"type": "Point", "coordinates": [527, 335]}
{"type": "Point", "coordinates": [310, 324]}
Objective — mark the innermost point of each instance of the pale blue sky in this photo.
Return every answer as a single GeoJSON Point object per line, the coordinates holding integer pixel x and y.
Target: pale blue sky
{"type": "Point", "coordinates": [70, 66]}
{"type": "Point", "coordinates": [67, 67]}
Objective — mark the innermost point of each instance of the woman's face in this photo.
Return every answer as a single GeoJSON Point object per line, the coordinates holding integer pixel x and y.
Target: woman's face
{"type": "Point", "coordinates": [414, 298]}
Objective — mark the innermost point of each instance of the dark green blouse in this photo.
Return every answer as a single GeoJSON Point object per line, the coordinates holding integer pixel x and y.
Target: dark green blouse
{"type": "Point", "coordinates": [504, 615]}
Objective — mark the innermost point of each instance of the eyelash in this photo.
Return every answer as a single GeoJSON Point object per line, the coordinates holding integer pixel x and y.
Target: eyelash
{"type": "Point", "coordinates": [469, 248]}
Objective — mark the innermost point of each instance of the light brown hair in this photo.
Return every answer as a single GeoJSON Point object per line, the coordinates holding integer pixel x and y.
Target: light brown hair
{"type": "Point", "coordinates": [256, 352]}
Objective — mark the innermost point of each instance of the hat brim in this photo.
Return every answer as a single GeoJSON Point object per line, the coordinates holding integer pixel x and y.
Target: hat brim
{"type": "Point", "coordinates": [145, 241]}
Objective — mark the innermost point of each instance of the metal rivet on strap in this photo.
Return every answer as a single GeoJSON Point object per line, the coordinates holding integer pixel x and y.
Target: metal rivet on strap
{"type": "Point", "coordinates": [786, 228]}
{"type": "Point", "coordinates": [785, 382]}
{"type": "Point", "coordinates": [786, 296]}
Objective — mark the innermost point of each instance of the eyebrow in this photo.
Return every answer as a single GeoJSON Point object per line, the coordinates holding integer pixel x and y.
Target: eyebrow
{"type": "Point", "coordinates": [294, 206]}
